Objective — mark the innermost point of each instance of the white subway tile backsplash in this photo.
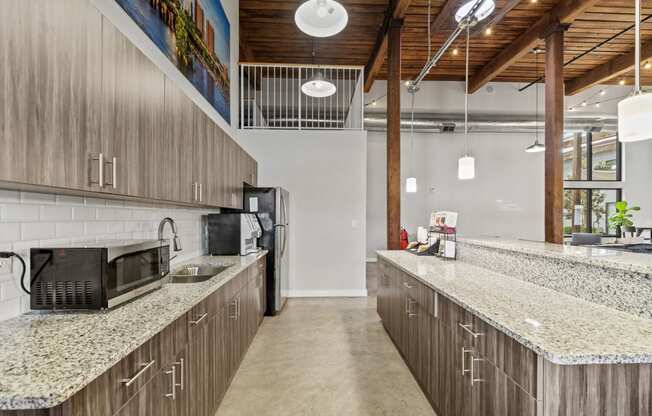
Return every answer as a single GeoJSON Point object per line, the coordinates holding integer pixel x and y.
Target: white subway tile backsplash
{"type": "Point", "coordinates": [56, 213]}
{"type": "Point", "coordinates": [84, 213]}
{"type": "Point", "coordinates": [69, 229]}
{"type": "Point", "coordinates": [37, 230]}
{"type": "Point", "coordinates": [19, 213]}
{"type": "Point", "coordinates": [9, 232]}
{"type": "Point", "coordinates": [29, 220]}
{"type": "Point", "coordinates": [37, 198]}
{"type": "Point", "coordinates": [9, 196]}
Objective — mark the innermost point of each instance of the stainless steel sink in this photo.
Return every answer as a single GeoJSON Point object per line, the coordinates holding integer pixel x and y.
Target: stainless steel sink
{"type": "Point", "coordinates": [195, 273]}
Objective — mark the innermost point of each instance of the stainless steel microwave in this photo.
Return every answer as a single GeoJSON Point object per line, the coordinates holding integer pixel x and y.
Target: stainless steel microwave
{"type": "Point", "coordinates": [96, 275]}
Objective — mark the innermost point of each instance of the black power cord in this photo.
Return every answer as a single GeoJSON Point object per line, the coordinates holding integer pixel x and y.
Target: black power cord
{"type": "Point", "coordinates": [10, 254]}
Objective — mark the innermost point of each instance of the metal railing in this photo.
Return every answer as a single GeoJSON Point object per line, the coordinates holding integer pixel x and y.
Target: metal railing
{"type": "Point", "coordinates": [271, 97]}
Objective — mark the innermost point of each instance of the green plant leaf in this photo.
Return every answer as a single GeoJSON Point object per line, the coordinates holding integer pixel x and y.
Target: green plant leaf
{"type": "Point", "coordinates": [635, 209]}
{"type": "Point", "coordinates": [621, 205]}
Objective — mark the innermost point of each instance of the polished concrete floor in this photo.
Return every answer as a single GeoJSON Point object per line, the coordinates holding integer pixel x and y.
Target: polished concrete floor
{"type": "Point", "coordinates": [324, 357]}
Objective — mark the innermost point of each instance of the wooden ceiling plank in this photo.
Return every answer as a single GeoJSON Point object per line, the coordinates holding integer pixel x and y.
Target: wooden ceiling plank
{"type": "Point", "coordinates": [396, 10]}
{"type": "Point", "coordinates": [618, 66]}
{"type": "Point", "coordinates": [564, 13]}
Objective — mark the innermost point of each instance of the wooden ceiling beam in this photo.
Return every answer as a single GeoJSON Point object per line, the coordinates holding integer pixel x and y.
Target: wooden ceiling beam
{"type": "Point", "coordinates": [444, 16]}
{"type": "Point", "coordinates": [618, 66]}
{"type": "Point", "coordinates": [564, 13]}
{"type": "Point", "coordinates": [396, 10]}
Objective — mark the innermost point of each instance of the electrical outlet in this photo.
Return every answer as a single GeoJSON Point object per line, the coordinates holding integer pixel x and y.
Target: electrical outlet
{"type": "Point", "coordinates": [5, 266]}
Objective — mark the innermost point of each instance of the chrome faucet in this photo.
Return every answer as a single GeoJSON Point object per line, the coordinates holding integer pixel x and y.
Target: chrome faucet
{"type": "Point", "coordinates": [175, 240]}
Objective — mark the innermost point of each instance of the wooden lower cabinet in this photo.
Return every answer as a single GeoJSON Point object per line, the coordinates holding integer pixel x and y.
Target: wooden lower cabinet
{"type": "Point", "coordinates": [183, 370]}
{"type": "Point", "coordinates": [466, 367]}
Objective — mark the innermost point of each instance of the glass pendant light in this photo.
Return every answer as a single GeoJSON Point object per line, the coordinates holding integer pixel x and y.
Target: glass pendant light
{"type": "Point", "coordinates": [321, 18]}
{"type": "Point", "coordinates": [411, 182]}
{"type": "Point", "coordinates": [536, 147]}
{"type": "Point", "coordinates": [466, 164]}
{"type": "Point", "coordinates": [635, 112]}
{"type": "Point", "coordinates": [484, 10]}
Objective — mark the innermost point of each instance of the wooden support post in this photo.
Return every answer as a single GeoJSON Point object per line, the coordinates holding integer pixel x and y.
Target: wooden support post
{"type": "Point", "coordinates": [394, 135]}
{"type": "Point", "coordinates": [554, 180]}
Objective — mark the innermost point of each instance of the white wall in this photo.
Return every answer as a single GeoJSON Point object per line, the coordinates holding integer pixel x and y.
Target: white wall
{"type": "Point", "coordinates": [325, 173]}
{"type": "Point", "coordinates": [39, 220]}
{"type": "Point", "coordinates": [118, 17]}
{"type": "Point", "coordinates": [505, 198]}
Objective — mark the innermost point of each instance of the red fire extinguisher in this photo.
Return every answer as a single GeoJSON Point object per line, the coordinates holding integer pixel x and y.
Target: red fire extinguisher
{"type": "Point", "coordinates": [404, 239]}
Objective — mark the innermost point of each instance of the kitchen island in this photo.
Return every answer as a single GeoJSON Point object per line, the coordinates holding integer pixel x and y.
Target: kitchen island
{"type": "Point", "coordinates": [175, 348]}
{"type": "Point", "coordinates": [481, 342]}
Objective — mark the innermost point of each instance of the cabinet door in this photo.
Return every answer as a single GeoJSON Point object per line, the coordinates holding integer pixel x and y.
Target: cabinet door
{"type": "Point", "coordinates": [150, 400]}
{"type": "Point", "coordinates": [172, 176]}
{"type": "Point", "coordinates": [51, 68]}
{"type": "Point", "coordinates": [216, 182]}
{"type": "Point", "coordinates": [233, 335]}
{"type": "Point", "coordinates": [232, 162]}
{"type": "Point", "coordinates": [495, 394]}
{"type": "Point", "coordinates": [419, 327]}
{"type": "Point", "coordinates": [133, 97]}
{"type": "Point", "coordinates": [454, 387]}
{"type": "Point", "coordinates": [198, 369]}
{"type": "Point", "coordinates": [217, 371]}
{"type": "Point", "coordinates": [199, 160]}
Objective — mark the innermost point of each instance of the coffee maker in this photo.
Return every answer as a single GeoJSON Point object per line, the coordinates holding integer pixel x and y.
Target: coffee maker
{"type": "Point", "coordinates": [232, 234]}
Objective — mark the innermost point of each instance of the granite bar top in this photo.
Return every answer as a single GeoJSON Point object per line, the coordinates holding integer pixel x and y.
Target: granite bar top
{"type": "Point", "coordinates": [563, 329]}
{"type": "Point", "coordinates": [596, 256]}
{"type": "Point", "coordinates": [45, 358]}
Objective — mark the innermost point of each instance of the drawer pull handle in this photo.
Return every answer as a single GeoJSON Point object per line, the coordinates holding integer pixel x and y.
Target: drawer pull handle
{"type": "Point", "coordinates": [409, 303]}
{"type": "Point", "coordinates": [464, 369]}
{"type": "Point", "coordinates": [180, 363]}
{"type": "Point", "coordinates": [473, 379]}
{"type": "Point", "coordinates": [173, 373]}
{"type": "Point", "coordinates": [201, 318]}
{"type": "Point", "coordinates": [129, 381]}
{"type": "Point", "coordinates": [469, 328]}
{"type": "Point", "coordinates": [407, 285]}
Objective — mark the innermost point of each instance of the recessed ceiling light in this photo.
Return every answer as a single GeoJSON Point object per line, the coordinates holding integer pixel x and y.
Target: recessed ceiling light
{"type": "Point", "coordinates": [321, 18]}
{"type": "Point", "coordinates": [603, 92]}
{"type": "Point", "coordinates": [488, 31]}
{"type": "Point", "coordinates": [571, 108]}
{"type": "Point", "coordinates": [648, 65]}
{"type": "Point", "coordinates": [622, 82]}
{"type": "Point", "coordinates": [373, 103]}
{"type": "Point", "coordinates": [583, 103]}
{"type": "Point", "coordinates": [407, 83]}
{"type": "Point", "coordinates": [485, 9]}
{"type": "Point", "coordinates": [533, 1]}
{"type": "Point", "coordinates": [455, 51]}
{"type": "Point", "coordinates": [318, 86]}
{"type": "Point", "coordinates": [597, 105]}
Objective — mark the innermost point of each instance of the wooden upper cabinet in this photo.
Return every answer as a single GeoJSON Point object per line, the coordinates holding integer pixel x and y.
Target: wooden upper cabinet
{"type": "Point", "coordinates": [172, 175]}
{"type": "Point", "coordinates": [202, 132]}
{"type": "Point", "coordinates": [216, 183]}
{"type": "Point", "coordinates": [133, 92]}
{"type": "Point", "coordinates": [50, 76]}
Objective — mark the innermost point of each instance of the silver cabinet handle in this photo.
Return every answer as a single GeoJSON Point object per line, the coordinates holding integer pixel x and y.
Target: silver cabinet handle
{"type": "Point", "coordinates": [198, 320]}
{"type": "Point", "coordinates": [181, 365]}
{"type": "Point", "coordinates": [407, 285]}
{"type": "Point", "coordinates": [173, 373]}
{"type": "Point", "coordinates": [145, 366]}
{"type": "Point", "coordinates": [115, 172]}
{"type": "Point", "coordinates": [473, 379]}
{"type": "Point", "coordinates": [469, 328]}
{"type": "Point", "coordinates": [238, 308]}
{"type": "Point", "coordinates": [410, 314]}
{"type": "Point", "coordinates": [112, 163]}
{"type": "Point", "coordinates": [464, 369]}
{"type": "Point", "coordinates": [194, 191]}
{"type": "Point", "coordinates": [235, 309]}
{"type": "Point", "coordinates": [100, 170]}
{"type": "Point", "coordinates": [436, 306]}
{"type": "Point", "coordinates": [201, 198]}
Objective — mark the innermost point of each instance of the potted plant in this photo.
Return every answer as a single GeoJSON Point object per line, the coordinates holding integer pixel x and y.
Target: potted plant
{"type": "Point", "coordinates": [623, 218]}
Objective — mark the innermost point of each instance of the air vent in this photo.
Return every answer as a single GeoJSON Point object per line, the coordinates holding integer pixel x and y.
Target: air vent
{"type": "Point", "coordinates": [63, 295]}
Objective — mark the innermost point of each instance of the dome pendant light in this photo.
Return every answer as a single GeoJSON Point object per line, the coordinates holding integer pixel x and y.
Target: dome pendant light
{"type": "Point", "coordinates": [483, 11]}
{"type": "Point", "coordinates": [635, 112]}
{"type": "Point", "coordinates": [411, 182]}
{"type": "Point", "coordinates": [536, 147]}
{"type": "Point", "coordinates": [321, 18]}
{"type": "Point", "coordinates": [466, 164]}
{"type": "Point", "coordinates": [319, 87]}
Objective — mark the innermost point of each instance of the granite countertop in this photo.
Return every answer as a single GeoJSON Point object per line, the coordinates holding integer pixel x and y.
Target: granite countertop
{"type": "Point", "coordinates": [563, 329]}
{"type": "Point", "coordinates": [45, 358]}
{"type": "Point", "coordinates": [596, 256]}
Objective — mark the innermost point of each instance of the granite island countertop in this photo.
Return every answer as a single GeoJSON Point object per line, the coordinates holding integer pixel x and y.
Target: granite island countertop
{"type": "Point", "coordinates": [45, 358]}
{"type": "Point", "coordinates": [595, 256]}
{"type": "Point", "coordinates": [563, 329]}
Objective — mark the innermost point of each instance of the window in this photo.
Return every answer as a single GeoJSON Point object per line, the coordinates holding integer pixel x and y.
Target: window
{"type": "Point", "coordinates": [599, 150]}
{"type": "Point", "coordinates": [580, 216]}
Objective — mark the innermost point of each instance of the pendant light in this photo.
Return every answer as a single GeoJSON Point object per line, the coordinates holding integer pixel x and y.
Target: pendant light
{"type": "Point", "coordinates": [483, 11]}
{"type": "Point", "coordinates": [321, 18]}
{"type": "Point", "coordinates": [635, 112]}
{"type": "Point", "coordinates": [317, 85]}
{"type": "Point", "coordinates": [411, 181]}
{"type": "Point", "coordinates": [536, 147]}
{"type": "Point", "coordinates": [466, 164]}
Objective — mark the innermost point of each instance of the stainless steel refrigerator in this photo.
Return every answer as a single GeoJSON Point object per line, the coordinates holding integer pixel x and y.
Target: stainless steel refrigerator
{"type": "Point", "coordinates": [272, 207]}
